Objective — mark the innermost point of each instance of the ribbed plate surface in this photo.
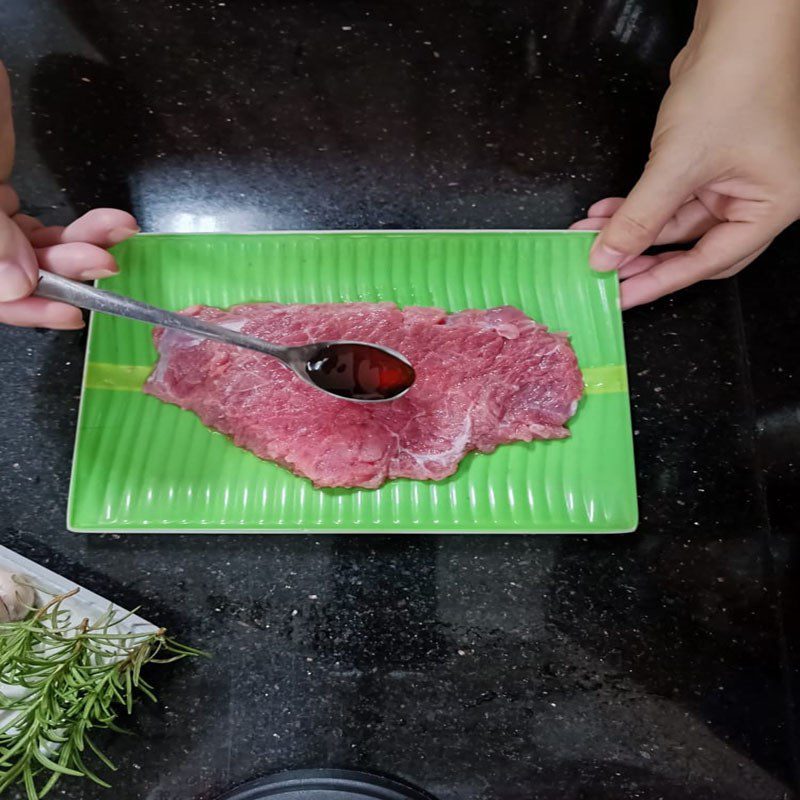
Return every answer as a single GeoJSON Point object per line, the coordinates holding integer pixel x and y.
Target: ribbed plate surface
{"type": "Point", "coordinates": [141, 465]}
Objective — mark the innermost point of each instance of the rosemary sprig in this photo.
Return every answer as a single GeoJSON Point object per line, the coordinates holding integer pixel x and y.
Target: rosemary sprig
{"type": "Point", "coordinates": [59, 682]}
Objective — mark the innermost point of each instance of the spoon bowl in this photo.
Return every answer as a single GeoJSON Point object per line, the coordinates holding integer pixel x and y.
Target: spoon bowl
{"type": "Point", "coordinates": [364, 373]}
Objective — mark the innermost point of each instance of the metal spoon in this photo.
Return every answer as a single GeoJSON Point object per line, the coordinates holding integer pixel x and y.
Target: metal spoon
{"type": "Point", "coordinates": [350, 370]}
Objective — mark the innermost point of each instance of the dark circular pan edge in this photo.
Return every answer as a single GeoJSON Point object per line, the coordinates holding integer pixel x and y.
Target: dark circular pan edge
{"type": "Point", "coordinates": [350, 785]}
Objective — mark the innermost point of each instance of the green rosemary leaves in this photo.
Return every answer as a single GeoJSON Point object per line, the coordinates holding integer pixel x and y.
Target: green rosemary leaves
{"type": "Point", "coordinates": [61, 680]}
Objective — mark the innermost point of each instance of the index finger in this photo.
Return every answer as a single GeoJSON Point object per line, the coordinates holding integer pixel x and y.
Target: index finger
{"type": "Point", "coordinates": [104, 227]}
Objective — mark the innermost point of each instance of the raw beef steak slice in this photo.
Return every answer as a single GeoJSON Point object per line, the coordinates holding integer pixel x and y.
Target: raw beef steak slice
{"type": "Point", "coordinates": [484, 378]}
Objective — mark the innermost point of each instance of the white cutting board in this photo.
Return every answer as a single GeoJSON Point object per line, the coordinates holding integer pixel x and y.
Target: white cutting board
{"type": "Point", "coordinates": [85, 604]}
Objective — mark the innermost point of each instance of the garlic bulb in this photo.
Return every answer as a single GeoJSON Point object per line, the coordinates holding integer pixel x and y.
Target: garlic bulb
{"type": "Point", "coordinates": [16, 597]}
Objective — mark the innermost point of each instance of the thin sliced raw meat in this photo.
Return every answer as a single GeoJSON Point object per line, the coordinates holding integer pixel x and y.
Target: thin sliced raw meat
{"type": "Point", "coordinates": [484, 378]}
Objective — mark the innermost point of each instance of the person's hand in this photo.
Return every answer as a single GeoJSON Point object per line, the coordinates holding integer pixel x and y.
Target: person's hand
{"type": "Point", "coordinates": [724, 167]}
{"type": "Point", "coordinates": [77, 251]}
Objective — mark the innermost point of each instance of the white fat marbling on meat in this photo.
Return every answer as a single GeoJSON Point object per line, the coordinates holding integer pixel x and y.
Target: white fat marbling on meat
{"type": "Point", "coordinates": [233, 324]}
{"type": "Point", "coordinates": [172, 340]}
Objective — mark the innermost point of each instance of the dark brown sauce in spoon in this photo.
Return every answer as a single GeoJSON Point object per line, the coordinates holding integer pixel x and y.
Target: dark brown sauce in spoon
{"type": "Point", "coordinates": [360, 372]}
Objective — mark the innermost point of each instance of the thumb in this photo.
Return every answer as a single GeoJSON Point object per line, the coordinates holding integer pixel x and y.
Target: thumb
{"type": "Point", "coordinates": [659, 193]}
{"type": "Point", "coordinates": [19, 269]}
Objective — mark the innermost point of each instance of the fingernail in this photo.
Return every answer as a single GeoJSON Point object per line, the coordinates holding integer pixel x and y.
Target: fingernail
{"type": "Point", "coordinates": [78, 326]}
{"type": "Point", "coordinates": [14, 282]}
{"type": "Point", "coordinates": [96, 274]}
{"type": "Point", "coordinates": [603, 257]}
{"type": "Point", "coordinates": [117, 235]}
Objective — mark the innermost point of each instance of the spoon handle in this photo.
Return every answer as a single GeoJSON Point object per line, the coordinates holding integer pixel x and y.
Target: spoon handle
{"type": "Point", "coordinates": [55, 287]}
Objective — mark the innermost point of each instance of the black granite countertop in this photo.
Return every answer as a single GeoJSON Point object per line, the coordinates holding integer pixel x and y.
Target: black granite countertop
{"type": "Point", "coordinates": [663, 664]}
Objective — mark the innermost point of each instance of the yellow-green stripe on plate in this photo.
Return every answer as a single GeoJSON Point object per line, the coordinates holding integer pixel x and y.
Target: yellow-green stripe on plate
{"type": "Point", "coordinates": [126, 378]}
{"type": "Point", "coordinates": [142, 465]}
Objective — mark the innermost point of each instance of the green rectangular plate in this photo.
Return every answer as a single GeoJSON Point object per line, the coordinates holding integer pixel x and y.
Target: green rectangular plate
{"type": "Point", "coordinates": [141, 465]}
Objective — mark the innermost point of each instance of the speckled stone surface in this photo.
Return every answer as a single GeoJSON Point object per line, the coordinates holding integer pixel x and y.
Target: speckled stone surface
{"type": "Point", "coordinates": [661, 665]}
